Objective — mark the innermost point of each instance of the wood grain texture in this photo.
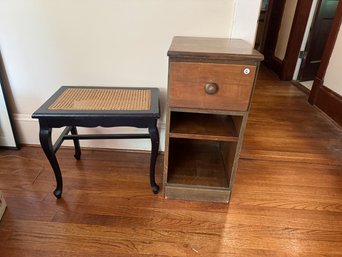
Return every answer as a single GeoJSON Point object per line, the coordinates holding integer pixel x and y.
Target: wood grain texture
{"type": "Point", "coordinates": [202, 48]}
{"type": "Point", "coordinates": [330, 103]}
{"type": "Point", "coordinates": [287, 198]}
{"type": "Point", "coordinates": [215, 75]}
{"type": "Point", "coordinates": [187, 81]}
{"type": "Point", "coordinates": [203, 126]}
{"type": "Point", "coordinates": [283, 126]}
{"type": "Point", "coordinates": [196, 162]}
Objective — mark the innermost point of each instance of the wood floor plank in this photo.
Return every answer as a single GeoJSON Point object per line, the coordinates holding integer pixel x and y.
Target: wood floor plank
{"type": "Point", "coordinates": [287, 127]}
{"type": "Point", "coordinates": [28, 252]}
{"type": "Point", "coordinates": [125, 240]}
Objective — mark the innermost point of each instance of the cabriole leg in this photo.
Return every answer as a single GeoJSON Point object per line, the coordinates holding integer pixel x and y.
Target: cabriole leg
{"type": "Point", "coordinates": [154, 135]}
{"type": "Point", "coordinates": [46, 143]}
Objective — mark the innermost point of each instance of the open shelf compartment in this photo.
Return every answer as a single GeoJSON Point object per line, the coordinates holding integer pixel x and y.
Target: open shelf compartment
{"type": "Point", "coordinates": [203, 126]}
{"type": "Point", "coordinates": [199, 169]}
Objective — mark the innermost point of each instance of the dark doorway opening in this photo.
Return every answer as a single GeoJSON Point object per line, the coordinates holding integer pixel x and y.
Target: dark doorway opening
{"type": "Point", "coordinates": [319, 32]}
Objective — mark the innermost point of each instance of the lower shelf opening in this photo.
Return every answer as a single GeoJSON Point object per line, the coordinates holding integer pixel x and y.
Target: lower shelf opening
{"type": "Point", "coordinates": [199, 163]}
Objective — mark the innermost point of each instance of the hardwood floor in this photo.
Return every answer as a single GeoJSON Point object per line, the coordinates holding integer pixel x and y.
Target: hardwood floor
{"type": "Point", "coordinates": [287, 198]}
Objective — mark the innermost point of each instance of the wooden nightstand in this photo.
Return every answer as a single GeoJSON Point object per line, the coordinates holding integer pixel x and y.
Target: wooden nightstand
{"type": "Point", "coordinates": [211, 82]}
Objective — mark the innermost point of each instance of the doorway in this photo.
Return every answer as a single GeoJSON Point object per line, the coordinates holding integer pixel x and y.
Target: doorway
{"type": "Point", "coordinates": [267, 33]}
{"type": "Point", "coordinates": [263, 22]}
{"type": "Point", "coordinates": [317, 31]}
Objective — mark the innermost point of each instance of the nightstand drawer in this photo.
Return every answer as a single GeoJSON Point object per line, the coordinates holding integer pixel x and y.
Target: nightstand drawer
{"type": "Point", "coordinates": [210, 85]}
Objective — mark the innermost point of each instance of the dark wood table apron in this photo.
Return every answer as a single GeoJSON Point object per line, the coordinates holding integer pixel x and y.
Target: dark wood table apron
{"type": "Point", "coordinates": [57, 118]}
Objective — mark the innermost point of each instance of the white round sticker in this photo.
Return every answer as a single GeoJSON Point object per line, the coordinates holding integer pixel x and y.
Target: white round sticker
{"type": "Point", "coordinates": [246, 71]}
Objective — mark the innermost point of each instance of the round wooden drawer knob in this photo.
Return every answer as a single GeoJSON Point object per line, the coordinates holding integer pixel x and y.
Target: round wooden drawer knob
{"type": "Point", "coordinates": [211, 88]}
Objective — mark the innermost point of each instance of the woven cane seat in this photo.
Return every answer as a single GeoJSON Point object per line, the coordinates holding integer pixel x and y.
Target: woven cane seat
{"type": "Point", "coordinates": [103, 99]}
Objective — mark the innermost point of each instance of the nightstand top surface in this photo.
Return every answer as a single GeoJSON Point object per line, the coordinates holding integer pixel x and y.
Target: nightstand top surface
{"type": "Point", "coordinates": [213, 48]}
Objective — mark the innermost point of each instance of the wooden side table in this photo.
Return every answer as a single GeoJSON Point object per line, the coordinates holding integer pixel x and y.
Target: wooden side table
{"type": "Point", "coordinates": [73, 107]}
{"type": "Point", "coordinates": [211, 82]}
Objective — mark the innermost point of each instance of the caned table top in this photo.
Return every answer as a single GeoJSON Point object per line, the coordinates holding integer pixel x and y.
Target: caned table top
{"type": "Point", "coordinates": [105, 101]}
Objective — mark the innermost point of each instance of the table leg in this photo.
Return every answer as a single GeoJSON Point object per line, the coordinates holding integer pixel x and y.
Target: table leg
{"type": "Point", "coordinates": [154, 135]}
{"type": "Point", "coordinates": [76, 143]}
{"type": "Point", "coordinates": [46, 143]}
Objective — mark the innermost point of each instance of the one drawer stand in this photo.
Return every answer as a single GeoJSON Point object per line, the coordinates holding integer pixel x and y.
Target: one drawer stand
{"type": "Point", "coordinates": [210, 86]}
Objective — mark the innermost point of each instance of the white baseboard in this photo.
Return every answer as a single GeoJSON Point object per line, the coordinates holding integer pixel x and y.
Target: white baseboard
{"type": "Point", "coordinates": [28, 131]}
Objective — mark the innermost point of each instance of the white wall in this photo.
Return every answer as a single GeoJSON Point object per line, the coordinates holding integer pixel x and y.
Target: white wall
{"type": "Point", "coordinates": [333, 76]}
{"type": "Point", "coordinates": [285, 28]}
{"type": "Point", "coordinates": [245, 21]}
{"type": "Point", "coordinates": [48, 43]}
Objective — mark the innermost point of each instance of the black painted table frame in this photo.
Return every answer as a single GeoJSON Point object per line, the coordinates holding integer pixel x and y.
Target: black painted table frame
{"type": "Point", "coordinates": [71, 119]}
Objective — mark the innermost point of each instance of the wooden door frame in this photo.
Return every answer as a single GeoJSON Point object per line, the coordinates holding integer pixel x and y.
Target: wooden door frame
{"type": "Point", "coordinates": [321, 96]}
{"type": "Point", "coordinates": [276, 9]}
{"type": "Point", "coordinates": [310, 38]}
{"type": "Point", "coordinates": [299, 23]}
